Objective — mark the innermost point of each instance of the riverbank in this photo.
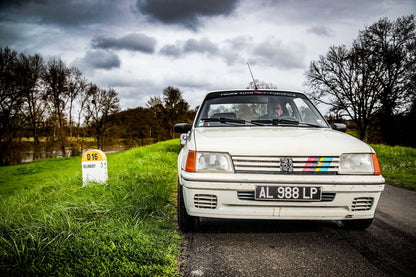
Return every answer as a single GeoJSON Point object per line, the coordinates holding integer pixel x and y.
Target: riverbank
{"type": "Point", "coordinates": [23, 150]}
{"type": "Point", "coordinates": [52, 225]}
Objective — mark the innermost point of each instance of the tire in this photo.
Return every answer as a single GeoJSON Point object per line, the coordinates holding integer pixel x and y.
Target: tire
{"type": "Point", "coordinates": [186, 222]}
{"type": "Point", "coordinates": [357, 224]}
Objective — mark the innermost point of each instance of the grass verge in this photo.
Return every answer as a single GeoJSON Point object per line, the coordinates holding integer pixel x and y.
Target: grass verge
{"type": "Point", "coordinates": [398, 165]}
{"type": "Point", "coordinates": [51, 225]}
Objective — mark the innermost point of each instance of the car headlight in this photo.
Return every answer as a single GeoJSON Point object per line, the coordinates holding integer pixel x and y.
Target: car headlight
{"type": "Point", "coordinates": [359, 164]}
{"type": "Point", "coordinates": [208, 162]}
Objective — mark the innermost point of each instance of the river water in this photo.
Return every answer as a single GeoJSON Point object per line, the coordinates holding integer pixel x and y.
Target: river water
{"type": "Point", "coordinates": [27, 156]}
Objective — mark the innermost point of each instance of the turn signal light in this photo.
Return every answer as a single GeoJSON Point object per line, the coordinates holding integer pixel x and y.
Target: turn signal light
{"type": "Point", "coordinates": [190, 161]}
{"type": "Point", "coordinates": [377, 170]}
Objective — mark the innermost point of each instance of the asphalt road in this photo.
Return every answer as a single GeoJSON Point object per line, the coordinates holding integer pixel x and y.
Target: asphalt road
{"type": "Point", "coordinates": [293, 248]}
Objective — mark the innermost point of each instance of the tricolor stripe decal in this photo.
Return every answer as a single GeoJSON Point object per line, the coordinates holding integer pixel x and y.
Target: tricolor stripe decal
{"type": "Point", "coordinates": [317, 164]}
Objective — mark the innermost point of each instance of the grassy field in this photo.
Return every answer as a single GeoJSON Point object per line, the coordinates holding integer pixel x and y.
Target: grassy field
{"type": "Point", "coordinates": [398, 165]}
{"type": "Point", "coordinates": [51, 225]}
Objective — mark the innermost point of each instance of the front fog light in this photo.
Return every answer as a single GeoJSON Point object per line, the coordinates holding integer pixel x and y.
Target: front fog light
{"type": "Point", "coordinates": [356, 164]}
{"type": "Point", "coordinates": [213, 162]}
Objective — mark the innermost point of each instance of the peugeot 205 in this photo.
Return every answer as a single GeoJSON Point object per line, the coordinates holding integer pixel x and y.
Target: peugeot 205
{"type": "Point", "coordinates": [270, 154]}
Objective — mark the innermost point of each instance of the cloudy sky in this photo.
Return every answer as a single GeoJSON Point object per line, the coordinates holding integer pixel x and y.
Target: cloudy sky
{"type": "Point", "coordinates": [139, 47]}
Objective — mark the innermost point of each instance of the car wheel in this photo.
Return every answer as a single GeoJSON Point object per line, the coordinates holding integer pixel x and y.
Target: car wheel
{"type": "Point", "coordinates": [357, 224]}
{"type": "Point", "coordinates": [186, 222]}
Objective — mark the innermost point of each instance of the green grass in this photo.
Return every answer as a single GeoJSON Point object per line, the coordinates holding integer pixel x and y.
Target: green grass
{"type": "Point", "coordinates": [51, 225]}
{"type": "Point", "coordinates": [398, 165]}
{"type": "Point", "coordinates": [31, 175]}
{"type": "Point", "coordinates": [354, 134]}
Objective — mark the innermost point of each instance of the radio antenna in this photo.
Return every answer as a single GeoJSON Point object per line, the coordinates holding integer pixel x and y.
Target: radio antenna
{"type": "Point", "coordinates": [252, 77]}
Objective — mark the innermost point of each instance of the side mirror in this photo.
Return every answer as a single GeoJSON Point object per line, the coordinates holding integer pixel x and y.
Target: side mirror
{"type": "Point", "coordinates": [339, 127]}
{"type": "Point", "coordinates": [183, 128]}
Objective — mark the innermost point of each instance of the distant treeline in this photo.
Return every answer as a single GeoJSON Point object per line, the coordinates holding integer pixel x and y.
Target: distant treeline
{"type": "Point", "coordinates": [57, 107]}
{"type": "Point", "coordinates": [156, 121]}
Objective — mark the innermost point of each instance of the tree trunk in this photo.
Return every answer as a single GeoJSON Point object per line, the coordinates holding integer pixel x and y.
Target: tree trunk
{"type": "Point", "coordinates": [36, 145]}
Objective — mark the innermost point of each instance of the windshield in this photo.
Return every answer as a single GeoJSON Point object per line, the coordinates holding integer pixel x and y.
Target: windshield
{"type": "Point", "coordinates": [239, 108]}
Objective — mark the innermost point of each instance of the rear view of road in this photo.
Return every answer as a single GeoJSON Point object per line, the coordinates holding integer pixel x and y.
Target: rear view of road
{"type": "Point", "coordinates": [293, 248]}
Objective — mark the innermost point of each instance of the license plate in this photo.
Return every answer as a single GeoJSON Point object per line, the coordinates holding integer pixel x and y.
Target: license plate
{"type": "Point", "coordinates": [288, 193]}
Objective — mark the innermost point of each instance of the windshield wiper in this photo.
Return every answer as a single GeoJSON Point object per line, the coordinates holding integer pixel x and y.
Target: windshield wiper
{"type": "Point", "coordinates": [223, 120]}
{"type": "Point", "coordinates": [261, 122]}
{"type": "Point", "coordinates": [276, 121]}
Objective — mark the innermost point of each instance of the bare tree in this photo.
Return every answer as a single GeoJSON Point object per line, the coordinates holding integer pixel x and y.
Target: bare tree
{"type": "Point", "coordinates": [393, 45]}
{"type": "Point", "coordinates": [30, 75]}
{"type": "Point", "coordinates": [370, 78]}
{"type": "Point", "coordinates": [344, 80]}
{"type": "Point", "coordinates": [102, 104]}
{"type": "Point", "coordinates": [10, 104]}
{"type": "Point", "coordinates": [261, 85]}
{"type": "Point", "coordinates": [77, 85]}
{"type": "Point", "coordinates": [57, 94]}
{"type": "Point", "coordinates": [82, 112]}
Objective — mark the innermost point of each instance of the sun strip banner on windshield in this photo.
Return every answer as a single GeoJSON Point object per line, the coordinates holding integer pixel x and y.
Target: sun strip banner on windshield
{"type": "Point", "coordinates": [216, 94]}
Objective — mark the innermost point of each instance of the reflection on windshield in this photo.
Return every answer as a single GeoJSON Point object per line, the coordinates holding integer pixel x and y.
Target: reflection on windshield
{"type": "Point", "coordinates": [261, 110]}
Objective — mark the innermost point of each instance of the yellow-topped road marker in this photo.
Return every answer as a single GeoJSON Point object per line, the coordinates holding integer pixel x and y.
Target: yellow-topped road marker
{"type": "Point", "coordinates": [94, 166]}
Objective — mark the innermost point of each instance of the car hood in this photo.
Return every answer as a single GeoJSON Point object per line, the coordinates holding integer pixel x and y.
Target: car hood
{"type": "Point", "coordinates": [274, 140]}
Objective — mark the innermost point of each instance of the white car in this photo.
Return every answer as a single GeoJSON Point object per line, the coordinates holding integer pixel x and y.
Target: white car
{"type": "Point", "coordinates": [270, 154]}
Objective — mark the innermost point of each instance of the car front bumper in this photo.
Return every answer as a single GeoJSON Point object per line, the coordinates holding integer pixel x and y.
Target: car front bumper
{"type": "Point", "coordinates": [232, 196]}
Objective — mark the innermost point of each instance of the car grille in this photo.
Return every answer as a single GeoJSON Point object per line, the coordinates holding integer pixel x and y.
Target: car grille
{"type": "Point", "coordinates": [205, 201]}
{"type": "Point", "coordinates": [362, 204]}
{"type": "Point", "coordinates": [249, 195]}
{"type": "Point", "coordinates": [285, 165]}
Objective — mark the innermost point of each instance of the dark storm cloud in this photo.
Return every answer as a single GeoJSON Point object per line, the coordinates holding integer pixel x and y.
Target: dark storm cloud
{"type": "Point", "coordinates": [62, 13]}
{"type": "Point", "coordinates": [202, 46]}
{"type": "Point", "coordinates": [8, 35]}
{"type": "Point", "coordinates": [274, 52]}
{"type": "Point", "coordinates": [324, 11]}
{"type": "Point", "coordinates": [184, 12]}
{"type": "Point", "coordinates": [172, 50]}
{"type": "Point", "coordinates": [4, 4]}
{"type": "Point", "coordinates": [134, 42]}
{"type": "Point", "coordinates": [233, 48]}
{"type": "Point", "coordinates": [320, 31]}
{"type": "Point", "coordinates": [271, 52]}
{"type": "Point", "coordinates": [101, 60]}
